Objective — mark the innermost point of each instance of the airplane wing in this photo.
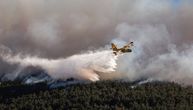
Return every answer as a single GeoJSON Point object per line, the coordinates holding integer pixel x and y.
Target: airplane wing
{"type": "Point", "coordinates": [126, 47]}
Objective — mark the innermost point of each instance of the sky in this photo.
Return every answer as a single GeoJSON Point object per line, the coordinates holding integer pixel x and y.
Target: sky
{"type": "Point", "coordinates": [178, 3]}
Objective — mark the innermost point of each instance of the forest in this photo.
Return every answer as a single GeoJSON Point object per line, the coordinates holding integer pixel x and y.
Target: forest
{"type": "Point", "coordinates": [101, 95]}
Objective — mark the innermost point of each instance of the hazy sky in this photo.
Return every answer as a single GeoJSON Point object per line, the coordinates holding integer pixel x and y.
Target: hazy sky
{"type": "Point", "coordinates": [62, 28]}
{"type": "Point", "coordinates": [161, 31]}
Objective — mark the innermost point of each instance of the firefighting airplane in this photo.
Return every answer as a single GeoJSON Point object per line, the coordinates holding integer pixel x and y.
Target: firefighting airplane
{"type": "Point", "coordinates": [124, 49]}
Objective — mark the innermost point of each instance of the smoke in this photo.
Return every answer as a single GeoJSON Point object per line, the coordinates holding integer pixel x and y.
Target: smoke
{"type": "Point", "coordinates": [87, 66]}
{"type": "Point", "coordinates": [61, 32]}
{"type": "Point", "coordinates": [155, 56]}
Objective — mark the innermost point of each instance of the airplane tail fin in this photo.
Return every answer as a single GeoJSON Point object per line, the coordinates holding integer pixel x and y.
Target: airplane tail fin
{"type": "Point", "coordinates": [114, 47]}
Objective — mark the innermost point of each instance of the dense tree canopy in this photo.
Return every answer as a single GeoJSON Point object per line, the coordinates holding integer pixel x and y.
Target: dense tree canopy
{"type": "Point", "coordinates": [100, 95]}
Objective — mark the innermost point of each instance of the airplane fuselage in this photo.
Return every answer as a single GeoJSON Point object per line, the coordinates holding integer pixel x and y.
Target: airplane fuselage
{"type": "Point", "coordinates": [124, 50]}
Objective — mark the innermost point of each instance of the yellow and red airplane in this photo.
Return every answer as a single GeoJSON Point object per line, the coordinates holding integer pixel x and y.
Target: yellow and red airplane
{"type": "Point", "coordinates": [124, 49]}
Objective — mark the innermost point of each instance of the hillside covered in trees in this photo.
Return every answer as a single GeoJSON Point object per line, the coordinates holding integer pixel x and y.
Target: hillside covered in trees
{"type": "Point", "coordinates": [102, 95]}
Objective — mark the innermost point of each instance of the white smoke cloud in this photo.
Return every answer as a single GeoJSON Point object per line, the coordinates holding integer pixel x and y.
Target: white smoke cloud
{"type": "Point", "coordinates": [155, 56]}
{"type": "Point", "coordinates": [44, 31]}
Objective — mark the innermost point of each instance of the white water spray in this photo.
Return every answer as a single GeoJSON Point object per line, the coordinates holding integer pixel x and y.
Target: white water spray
{"type": "Point", "coordinates": [85, 66]}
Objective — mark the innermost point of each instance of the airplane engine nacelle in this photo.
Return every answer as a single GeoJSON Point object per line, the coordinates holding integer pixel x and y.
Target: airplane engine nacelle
{"type": "Point", "coordinates": [128, 50]}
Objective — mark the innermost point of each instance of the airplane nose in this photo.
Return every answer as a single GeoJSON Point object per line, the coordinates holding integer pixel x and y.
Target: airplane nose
{"type": "Point", "coordinates": [131, 43]}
